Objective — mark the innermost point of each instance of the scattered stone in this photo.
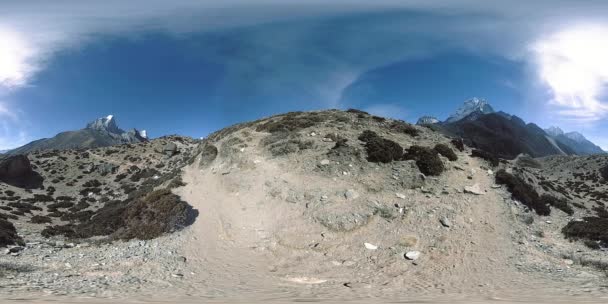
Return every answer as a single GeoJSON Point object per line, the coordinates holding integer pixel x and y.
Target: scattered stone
{"type": "Point", "coordinates": [325, 162]}
{"type": "Point", "coordinates": [351, 194]}
{"type": "Point", "coordinates": [412, 255]}
{"type": "Point", "coordinates": [400, 195]}
{"type": "Point", "coordinates": [568, 262]}
{"type": "Point", "coordinates": [475, 189]}
{"type": "Point", "coordinates": [370, 246]}
{"type": "Point", "coordinates": [445, 222]}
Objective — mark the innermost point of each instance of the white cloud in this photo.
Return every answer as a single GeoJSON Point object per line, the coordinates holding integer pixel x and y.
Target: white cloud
{"type": "Point", "coordinates": [574, 64]}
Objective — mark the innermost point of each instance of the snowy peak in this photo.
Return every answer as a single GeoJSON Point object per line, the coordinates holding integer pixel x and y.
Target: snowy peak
{"type": "Point", "coordinates": [554, 131]}
{"type": "Point", "coordinates": [577, 137]}
{"type": "Point", "coordinates": [427, 120]}
{"type": "Point", "coordinates": [107, 124]}
{"type": "Point", "coordinates": [474, 105]}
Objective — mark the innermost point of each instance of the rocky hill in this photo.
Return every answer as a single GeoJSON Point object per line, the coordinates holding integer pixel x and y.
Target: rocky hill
{"type": "Point", "coordinates": [575, 141]}
{"type": "Point", "coordinates": [311, 205]}
{"type": "Point", "coordinates": [102, 132]}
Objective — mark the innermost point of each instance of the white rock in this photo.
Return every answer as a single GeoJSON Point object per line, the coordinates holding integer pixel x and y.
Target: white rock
{"type": "Point", "coordinates": [445, 222]}
{"type": "Point", "coordinates": [370, 246]}
{"type": "Point", "coordinates": [400, 195]}
{"type": "Point", "coordinates": [325, 162]}
{"type": "Point", "coordinates": [412, 255]}
{"type": "Point", "coordinates": [475, 189]}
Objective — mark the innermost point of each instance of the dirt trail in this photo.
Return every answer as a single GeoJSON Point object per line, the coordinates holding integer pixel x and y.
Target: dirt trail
{"type": "Point", "coordinates": [245, 245]}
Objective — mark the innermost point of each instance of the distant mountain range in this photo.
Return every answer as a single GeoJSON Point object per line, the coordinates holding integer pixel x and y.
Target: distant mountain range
{"type": "Point", "coordinates": [102, 132]}
{"type": "Point", "coordinates": [507, 135]}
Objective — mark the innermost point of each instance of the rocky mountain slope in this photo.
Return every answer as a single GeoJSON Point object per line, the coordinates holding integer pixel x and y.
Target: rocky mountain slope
{"type": "Point", "coordinates": [305, 205]}
{"type": "Point", "coordinates": [102, 132]}
{"type": "Point", "coordinates": [472, 106]}
{"type": "Point", "coordinates": [575, 141]}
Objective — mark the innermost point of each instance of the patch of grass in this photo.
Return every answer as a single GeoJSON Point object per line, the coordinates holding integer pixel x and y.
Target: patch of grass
{"type": "Point", "coordinates": [380, 150]}
{"type": "Point", "coordinates": [427, 160]}
{"type": "Point", "coordinates": [523, 192]}
{"type": "Point", "coordinates": [492, 159]}
{"type": "Point", "coordinates": [446, 151]}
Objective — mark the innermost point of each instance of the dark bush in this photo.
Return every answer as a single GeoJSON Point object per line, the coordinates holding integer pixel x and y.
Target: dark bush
{"type": "Point", "coordinates": [8, 234]}
{"type": "Point", "coordinates": [380, 150]}
{"type": "Point", "coordinates": [446, 151]}
{"type": "Point", "coordinates": [81, 216]}
{"type": "Point", "coordinates": [458, 143]}
{"type": "Point", "coordinates": [404, 127]}
{"type": "Point", "coordinates": [590, 229]}
{"type": "Point", "coordinates": [604, 172]}
{"type": "Point", "coordinates": [9, 192]}
{"type": "Point", "coordinates": [40, 219]}
{"type": "Point", "coordinates": [427, 160]}
{"type": "Point", "coordinates": [291, 122]}
{"type": "Point", "coordinates": [92, 184]}
{"type": "Point", "coordinates": [492, 159]}
{"type": "Point", "coordinates": [560, 204]}
{"type": "Point", "coordinates": [176, 183]}
{"type": "Point", "coordinates": [359, 112]}
{"type": "Point", "coordinates": [144, 218]}
{"type": "Point", "coordinates": [65, 230]}
{"type": "Point", "coordinates": [523, 192]}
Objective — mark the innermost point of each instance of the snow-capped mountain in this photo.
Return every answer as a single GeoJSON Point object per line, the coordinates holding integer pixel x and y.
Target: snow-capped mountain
{"type": "Point", "coordinates": [427, 120]}
{"type": "Point", "coordinates": [474, 105]}
{"type": "Point", "coordinates": [575, 141]}
{"type": "Point", "coordinates": [101, 132]}
{"type": "Point", "coordinates": [554, 131]}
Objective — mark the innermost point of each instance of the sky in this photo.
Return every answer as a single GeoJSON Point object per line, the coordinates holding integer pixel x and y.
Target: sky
{"type": "Point", "coordinates": [191, 67]}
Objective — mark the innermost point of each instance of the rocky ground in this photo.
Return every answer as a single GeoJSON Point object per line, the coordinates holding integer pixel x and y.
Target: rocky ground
{"type": "Point", "coordinates": [310, 206]}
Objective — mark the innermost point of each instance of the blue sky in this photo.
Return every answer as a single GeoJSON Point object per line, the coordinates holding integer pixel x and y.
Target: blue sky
{"type": "Point", "coordinates": [192, 67]}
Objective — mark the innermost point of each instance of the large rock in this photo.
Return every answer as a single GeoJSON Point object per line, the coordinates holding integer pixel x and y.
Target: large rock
{"type": "Point", "coordinates": [170, 149]}
{"type": "Point", "coordinates": [17, 171]}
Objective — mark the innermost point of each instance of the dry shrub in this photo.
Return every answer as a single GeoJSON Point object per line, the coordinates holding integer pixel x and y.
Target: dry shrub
{"type": "Point", "coordinates": [380, 150]}
{"type": "Point", "coordinates": [446, 151]}
{"type": "Point", "coordinates": [523, 192]}
{"type": "Point", "coordinates": [40, 219]}
{"type": "Point", "coordinates": [558, 203]}
{"type": "Point", "coordinates": [427, 160]}
{"type": "Point", "coordinates": [591, 229]}
{"type": "Point", "coordinates": [404, 127]}
{"type": "Point", "coordinates": [492, 159]}
{"type": "Point", "coordinates": [8, 233]}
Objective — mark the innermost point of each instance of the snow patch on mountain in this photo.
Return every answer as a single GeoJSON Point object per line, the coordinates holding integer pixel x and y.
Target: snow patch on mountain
{"type": "Point", "coordinates": [473, 105]}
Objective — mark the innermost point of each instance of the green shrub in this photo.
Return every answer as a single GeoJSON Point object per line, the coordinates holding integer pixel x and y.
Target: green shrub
{"type": "Point", "coordinates": [523, 192]}
{"type": "Point", "coordinates": [446, 151]}
{"type": "Point", "coordinates": [427, 160]}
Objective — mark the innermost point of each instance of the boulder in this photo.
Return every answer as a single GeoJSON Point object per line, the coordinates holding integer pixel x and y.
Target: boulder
{"type": "Point", "coordinates": [170, 149]}
{"type": "Point", "coordinates": [17, 171]}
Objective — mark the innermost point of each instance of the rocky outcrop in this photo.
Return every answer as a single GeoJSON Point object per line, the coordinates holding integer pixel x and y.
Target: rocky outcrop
{"type": "Point", "coordinates": [17, 171]}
